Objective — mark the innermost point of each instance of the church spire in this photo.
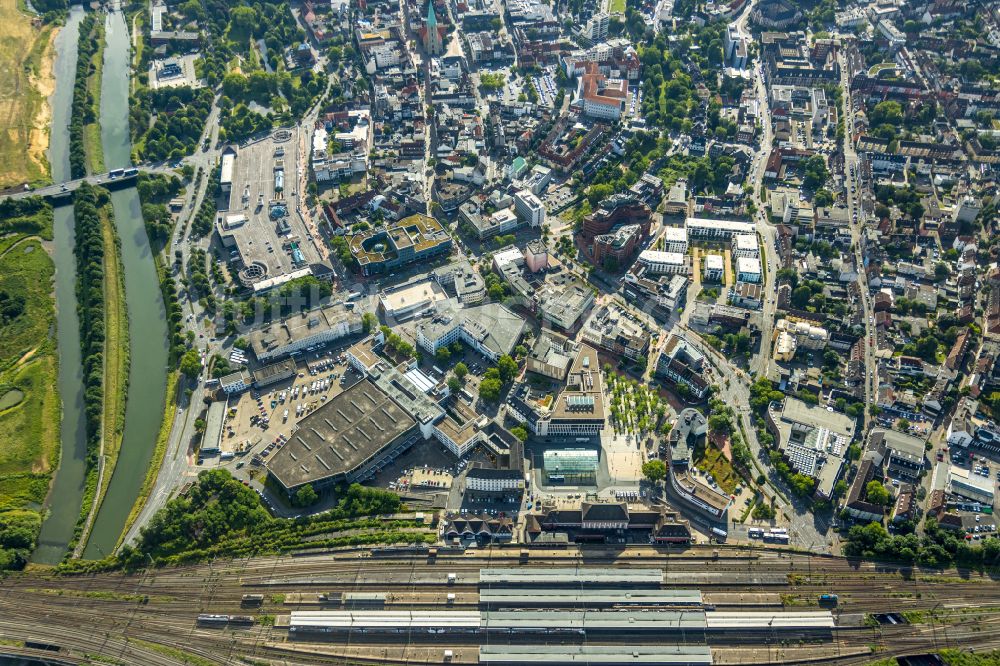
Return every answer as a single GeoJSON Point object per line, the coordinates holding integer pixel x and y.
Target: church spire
{"type": "Point", "coordinates": [431, 17]}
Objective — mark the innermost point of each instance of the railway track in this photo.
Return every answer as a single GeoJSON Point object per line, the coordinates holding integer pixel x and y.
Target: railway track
{"type": "Point", "coordinates": [121, 616]}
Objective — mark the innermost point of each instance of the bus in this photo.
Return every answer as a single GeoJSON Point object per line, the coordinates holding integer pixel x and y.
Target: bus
{"type": "Point", "coordinates": [556, 478]}
{"type": "Point", "coordinates": [128, 173]}
{"type": "Point", "coordinates": [755, 533]}
{"type": "Point", "coordinates": [719, 534]}
{"type": "Point", "coordinates": [116, 173]}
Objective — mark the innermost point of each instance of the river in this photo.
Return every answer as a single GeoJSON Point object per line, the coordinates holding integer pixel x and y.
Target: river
{"type": "Point", "coordinates": [147, 316]}
{"type": "Point", "coordinates": [67, 490]}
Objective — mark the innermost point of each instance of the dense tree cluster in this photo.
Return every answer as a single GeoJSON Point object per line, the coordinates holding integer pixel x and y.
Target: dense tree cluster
{"type": "Point", "coordinates": [936, 548]}
{"type": "Point", "coordinates": [494, 379]}
{"type": "Point", "coordinates": [260, 32]}
{"type": "Point", "coordinates": [50, 9]}
{"type": "Point", "coordinates": [175, 317]}
{"type": "Point", "coordinates": [907, 199]}
{"type": "Point", "coordinates": [179, 120]}
{"type": "Point", "coordinates": [18, 531]}
{"type": "Point", "coordinates": [155, 190]}
{"type": "Point", "coordinates": [814, 172]}
{"type": "Point", "coordinates": [83, 101]}
{"type": "Point", "coordinates": [221, 516]}
{"type": "Point", "coordinates": [201, 225]}
{"type": "Point", "coordinates": [11, 306]}
{"type": "Point", "coordinates": [89, 252]}
{"type": "Point", "coordinates": [31, 216]}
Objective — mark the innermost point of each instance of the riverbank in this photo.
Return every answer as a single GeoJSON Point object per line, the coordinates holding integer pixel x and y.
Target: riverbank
{"type": "Point", "coordinates": [92, 130]}
{"type": "Point", "coordinates": [29, 397]}
{"type": "Point", "coordinates": [116, 353]}
{"type": "Point", "coordinates": [116, 365]}
{"type": "Point", "coordinates": [27, 54]}
{"type": "Point", "coordinates": [148, 336]}
{"type": "Point", "coordinates": [93, 253]}
{"type": "Point", "coordinates": [162, 439]}
{"type": "Point", "coordinates": [62, 503]}
{"type": "Point", "coordinates": [85, 108]}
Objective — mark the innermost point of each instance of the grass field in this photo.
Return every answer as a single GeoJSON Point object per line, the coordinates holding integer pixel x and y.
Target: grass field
{"type": "Point", "coordinates": [29, 428]}
{"type": "Point", "coordinates": [616, 6]}
{"type": "Point", "coordinates": [26, 81]}
{"type": "Point", "coordinates": [116, 346]}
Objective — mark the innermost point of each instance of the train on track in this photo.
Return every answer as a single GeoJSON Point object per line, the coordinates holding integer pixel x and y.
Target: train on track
{"type": "Point", "coordinates": [214, 620]}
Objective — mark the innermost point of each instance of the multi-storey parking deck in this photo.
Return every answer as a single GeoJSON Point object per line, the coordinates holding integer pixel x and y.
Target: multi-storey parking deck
{"type": "Point", "coordinates": [562, 576]}
{"type": "Point", "coordinates": [605, 655]}
{"type": "Point", "coordinates": [586, 598]}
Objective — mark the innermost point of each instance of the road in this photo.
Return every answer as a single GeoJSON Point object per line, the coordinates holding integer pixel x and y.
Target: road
{"type": "Point", "coordinates": [853, 187]}
{"type": "Point", "coordinates": [762, 364]}
{"type": "Point", "coordinates": [178, 463]}
{"type": "Point", "coordinates": [58, 189]}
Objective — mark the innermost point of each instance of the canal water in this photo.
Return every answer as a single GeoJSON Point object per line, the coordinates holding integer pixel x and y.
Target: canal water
{"type": "Point", "coordinates": [66, 493]}
{"type": "Point", "coordinates": [147, 316]}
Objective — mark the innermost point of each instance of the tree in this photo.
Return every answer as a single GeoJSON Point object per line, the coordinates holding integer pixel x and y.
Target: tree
{"type": "Point", "coordinates": [242, 343]}
{"type": "Point", "coordinates": [454, 384]}
{"type": "Point", "coordinates": [823, 198]}
{"type": "Point", "coordinates": [191, 364]}
{"type": "Point", "coordinates": [368, 321]}
{"type": "Point", "coordinates": [903, 425]}
{"type": "Point", "coordinates": [654, 470]}
{"type": "Point", "coordinates": [489, 390]}
{"type": "Point", "coordinates": [306, 496]}
{"type": "Point", "coordinates": [719, 424]}
{"type": "Point", "coordinates": [507, 367]}
{"type": "Point", "coordinates": [886, 113]}
{"type": "Point", "coordinates": [764, 512]}
{"type": "Point", "coordinates": [442, 355]}
{"type": "Point", "coordinates": [814, 172]}
{"type": "Point", "coordinates": [520, 432]}
{"type": "Point", "coordinates": [876, 493]}
{"type": "Point", "coordinates": [801, 296]}
{"type": "Point", "coordinates": [460, 370]}
{"type": "Point", "coordinates": [199, 426]}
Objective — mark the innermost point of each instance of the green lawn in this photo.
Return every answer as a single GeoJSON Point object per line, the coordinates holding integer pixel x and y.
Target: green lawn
{"type": "Point", "coordinates": [29, 418]}
{"type": "Point", "coordinates": [617, 6]}
{"type": "Point", "coordinates": [709, 460]}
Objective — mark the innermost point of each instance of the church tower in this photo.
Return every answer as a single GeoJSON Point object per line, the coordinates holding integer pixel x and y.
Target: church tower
{"type": "Point", "coordinates": [433, 44]}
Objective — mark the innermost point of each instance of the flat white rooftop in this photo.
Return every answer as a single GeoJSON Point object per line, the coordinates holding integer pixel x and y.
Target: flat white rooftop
{"type": "Point", "coordinates": [660, 257]}
{"type": "Point", "coordinates": [575, 575]}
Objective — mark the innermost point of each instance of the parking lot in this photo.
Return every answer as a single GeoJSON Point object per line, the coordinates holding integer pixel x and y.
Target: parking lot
{"type": "Point", "coordinates": [258, 420]}
{"type": "Point", "coordinates": [262, 224]}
